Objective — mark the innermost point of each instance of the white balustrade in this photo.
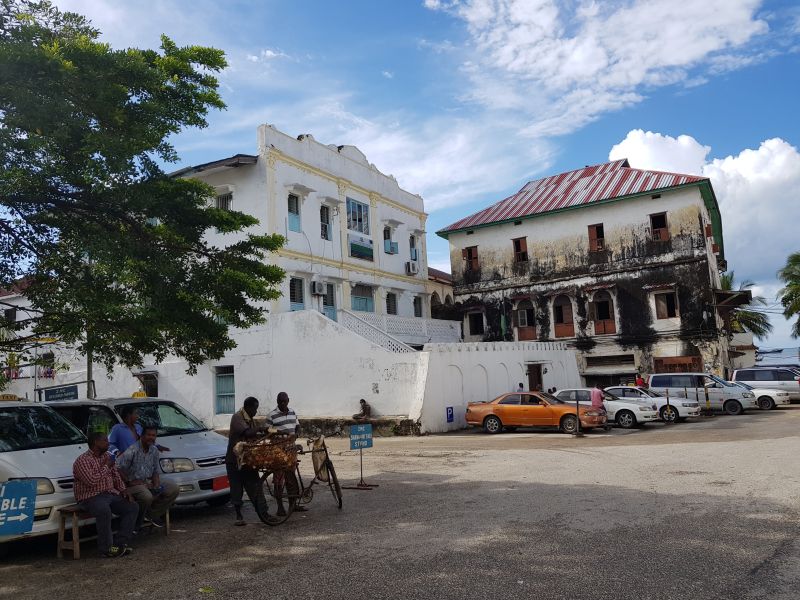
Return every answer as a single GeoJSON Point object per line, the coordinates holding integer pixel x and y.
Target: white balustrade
{"type": "Point", "coordinates": [412, 330]}
{"type": "Point", "coordinates": [374, 334]}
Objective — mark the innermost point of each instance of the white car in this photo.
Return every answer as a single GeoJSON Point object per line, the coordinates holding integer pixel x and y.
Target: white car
{"type": "Point", "coordinates": [766, 398]}
{"type": "Point", "coordinates": [703, 388]}
{"type": "Point", "coordinates": [195, 461]}
{"type": "Point", "coordinates": [626, 413]}
{"type": "Point", "coordinates": [671, 411]}
{"type": "Point", "coordinates": [37, 443]}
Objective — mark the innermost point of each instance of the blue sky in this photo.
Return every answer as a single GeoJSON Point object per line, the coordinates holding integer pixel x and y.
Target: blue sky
{"type": "Point", "coordinates": [465, 100]}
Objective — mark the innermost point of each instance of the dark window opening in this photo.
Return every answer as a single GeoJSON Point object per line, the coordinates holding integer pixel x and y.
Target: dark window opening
{"type": "Point", "coordinates": [666, 306]}
{"type": "Point", "coordinates": [520, 249]}
{"type": "Point", "coordinates": [475, 323]}
{"type": "Point", "coordinates": [471, 256]}
{"type": "Point", "coordinates": [597, 242]}
{"type": "Point", "coordinates": [658, 225]}
{"type": "Point", "coordinates": [417, 306]}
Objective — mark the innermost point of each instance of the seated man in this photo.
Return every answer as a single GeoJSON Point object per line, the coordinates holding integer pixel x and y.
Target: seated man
{"type": "Point", "coordinates": [100, 491]}
{"type": "Point", "coordinates": [366, 411]}
{"type": "Point", "coordinates": [140, 469]}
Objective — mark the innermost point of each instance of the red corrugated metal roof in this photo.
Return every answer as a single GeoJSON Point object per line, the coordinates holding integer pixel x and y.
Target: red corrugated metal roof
{"type": "Point", "coordinates": [582, 186]}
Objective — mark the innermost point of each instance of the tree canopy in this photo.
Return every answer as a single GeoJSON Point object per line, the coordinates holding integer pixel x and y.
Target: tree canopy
{"type": "Point", "coordinates": [750, 317]}
{"type": "Point", "coordinates": [790, 294]}
{"type": "Point", "coordinates": [110, 249]}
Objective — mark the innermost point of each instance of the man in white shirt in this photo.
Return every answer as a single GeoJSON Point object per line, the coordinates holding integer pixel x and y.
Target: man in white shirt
{"type": "Point", "coordinates": [284, 420]}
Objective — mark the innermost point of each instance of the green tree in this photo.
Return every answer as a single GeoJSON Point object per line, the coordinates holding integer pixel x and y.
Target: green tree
{"type": "Point", "coordinates": [749, 317]}
{"type": "Point", "coordinates": [111, 248]}
{"type": "Point", "coordinates": [790, 294]}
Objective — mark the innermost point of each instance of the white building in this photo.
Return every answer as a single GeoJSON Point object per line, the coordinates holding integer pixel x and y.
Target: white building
{"type": "Point", "coordinates": [355, 239]}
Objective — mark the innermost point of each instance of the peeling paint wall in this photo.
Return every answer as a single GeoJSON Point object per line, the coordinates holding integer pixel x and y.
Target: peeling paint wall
{"type": "Point", "coordinates": [631, 267]}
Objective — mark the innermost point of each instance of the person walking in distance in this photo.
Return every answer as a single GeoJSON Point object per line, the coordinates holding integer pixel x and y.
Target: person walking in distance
{"type": "Point", "coordinates": [100, 491]}
{"type": "Point", "coordinates": [243, 428]}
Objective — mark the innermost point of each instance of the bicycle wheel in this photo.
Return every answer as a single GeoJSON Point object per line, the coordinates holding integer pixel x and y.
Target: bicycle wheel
{"type": "Point", "coordinates": [333, 483]}
{"type": "Point", "coordinates": [279, 493]}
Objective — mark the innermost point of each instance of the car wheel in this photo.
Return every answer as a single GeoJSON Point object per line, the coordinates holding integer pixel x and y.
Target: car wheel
{"type": "Point", "coordinates": [626, 419]}
{"type": "Point", "coordinates": [669, 414]}
{"type": "Point", "coordinates": [569, 424]}
{"type": "Point", "coordinates": [766, 403]}
{"type": "Point", "coordinates": [733, 407]}
{"type": "Point", "coordinates": [492, 425]}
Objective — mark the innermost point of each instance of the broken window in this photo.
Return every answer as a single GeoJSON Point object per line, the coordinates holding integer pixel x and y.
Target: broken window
{"type": "Point", "coordinates": [471, 256]}
{"type": "Point", "coordinates": [666, 305]}
{"type": "Point", "coordinates": [520, 249]}
{"type": "Point", "coordinates": [597, 242]}
{"type": "Point", "coordinates": [475, 323]}
{"type": "Point", "coordinates": [658, 226]}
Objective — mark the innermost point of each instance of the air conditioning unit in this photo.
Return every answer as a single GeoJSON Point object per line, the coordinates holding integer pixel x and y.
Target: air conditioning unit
{"type": "Point", "coordinates": [412, 268]}
{"type": "Point", "coordinates": [318, 288]}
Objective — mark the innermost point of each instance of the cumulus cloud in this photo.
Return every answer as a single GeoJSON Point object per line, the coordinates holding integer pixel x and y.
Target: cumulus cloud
{"type": "Point", "coordinates": [573, 61]}
{"type": "Point", "coordinates": [266, 55]}
{"type": "Point", "coordinates": [758, 191]}
{"type": "Point", "coordinates": [387, 74]}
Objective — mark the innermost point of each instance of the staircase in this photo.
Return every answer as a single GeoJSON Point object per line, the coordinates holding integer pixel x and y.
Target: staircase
{"type": "Point", "coordinates": [371, 332]}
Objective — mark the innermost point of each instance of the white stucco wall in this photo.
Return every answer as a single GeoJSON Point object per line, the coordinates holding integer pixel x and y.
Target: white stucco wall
{"type": "Point", "coordinates": [473, 372]}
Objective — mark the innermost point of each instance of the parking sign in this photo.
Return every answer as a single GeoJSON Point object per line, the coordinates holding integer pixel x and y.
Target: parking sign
{"type": "Point", "coordinates": [450, 415]}
{"type": "Point", "coordinates": [17, 503]}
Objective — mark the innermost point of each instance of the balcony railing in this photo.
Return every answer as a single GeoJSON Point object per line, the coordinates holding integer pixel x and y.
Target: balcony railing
{"type": "Point", "coordinates": [415, 330]}
{"type": "Point", "coordinates": [605, 326]}
{"type": "Point", "coordinates": [565, 330]}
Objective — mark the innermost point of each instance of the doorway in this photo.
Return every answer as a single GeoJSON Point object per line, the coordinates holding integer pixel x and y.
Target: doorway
{"type": "Point", "coordinates": [534, 377]}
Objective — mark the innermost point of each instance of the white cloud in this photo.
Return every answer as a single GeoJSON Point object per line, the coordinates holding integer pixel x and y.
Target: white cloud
{"type": "Point", "coordinates": [387, 74]}
{"type": "Point", "coordinates": [758, 191]}
{"type": "Point", "coordinates": [266, 55]}
{"type": "Point", "coordinates": [573, 61]}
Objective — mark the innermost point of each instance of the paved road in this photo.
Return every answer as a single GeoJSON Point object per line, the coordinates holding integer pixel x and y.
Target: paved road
{"type": "Point", "coordinates": [705, 510]}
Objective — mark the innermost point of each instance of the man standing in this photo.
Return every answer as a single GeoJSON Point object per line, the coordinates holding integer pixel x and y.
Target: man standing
{"type": "Point", "coordinates": [140, 467]}
{"type": "Point", "coordinates": [100, 491]}
{"type": "Point", "coordinates": [597, 402]}
{"type": "Point", "coordinates": [285, 422]}
{"type": "Point", "coordinates": [243, 427]}
{"type": "Point", "coordinates": [520, 388]}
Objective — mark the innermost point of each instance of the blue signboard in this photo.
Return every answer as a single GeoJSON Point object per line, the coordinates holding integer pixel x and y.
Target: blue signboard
{"type": "Point", "coordinates": [450, 415]}
{"type": "Point", "coordinates": [17, 503]}
{"type": "Point", "coordinates": [69, 392]}
{"type": "Point", "coordinates": [360, 436]}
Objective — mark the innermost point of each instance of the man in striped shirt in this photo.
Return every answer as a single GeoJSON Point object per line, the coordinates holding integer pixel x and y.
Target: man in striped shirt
{"type": "Point", "coordinates": [284, 420]}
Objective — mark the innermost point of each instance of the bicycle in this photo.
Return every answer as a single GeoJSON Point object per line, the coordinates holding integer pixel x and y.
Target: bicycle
{"type": "Point", "coordinates": [276, 486]}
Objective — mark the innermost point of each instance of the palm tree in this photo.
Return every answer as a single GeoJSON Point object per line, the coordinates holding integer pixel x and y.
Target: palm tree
{"type": "Point", "coordinates": [790, 294]}
{"type": "Point", "coordinates": [748, 317]}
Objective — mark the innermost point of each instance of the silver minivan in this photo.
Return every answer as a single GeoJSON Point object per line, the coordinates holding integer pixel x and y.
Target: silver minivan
{"type": "Point", "coordinates": [721, 394]}
{"type": "Point", "coordinates": [775, 378]}
{"type": "Point", "coordinates": [195, 461]}
{"type": "Point", "coordinates": [36, 443]}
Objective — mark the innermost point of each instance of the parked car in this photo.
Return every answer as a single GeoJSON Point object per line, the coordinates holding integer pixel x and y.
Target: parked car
{"type": "Point", "coordinates": [776, 378]}
{"type": "Point", "coordinates": [722, 395]}
{"type": "Point", "coordinates": [530, 409]}
{"type": "Point", "coordinates": [37, 443]}
{"type": "Point", "coordinates": [625, 412]}
{"type": "Point", "coordinates": [196, 458]}
{"type": "Point", "coordinates": [766, 398]}
{"type": "Point", "coordinates": [672, 412]}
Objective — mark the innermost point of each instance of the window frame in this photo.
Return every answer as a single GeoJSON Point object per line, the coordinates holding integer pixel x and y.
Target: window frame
{"type": "Point", "coordinates": [470, 317]}
{"type": "Point", "coordinates": [294, 304]}
{"type": "Point", "coordinates": [358, 216]}
{"type": "Point", "coordinates": [665, 311]}
{"type": "Point", "coordinates": [391, 307]}
{"type": "Point", "coordinates": [418, 306]}
{"type": "Point", "coordinates": [325, 223]}
{"type": "Point", "coordinates": [597, 243]}
{"type": "Point", "coordinates": [659, 234]}
{"type": "Point", "coordinates": [229, 400]}
{"type": "Point", "coordinates": [520, 246]}
{"type": "Point", "coordinates": [470, 255]}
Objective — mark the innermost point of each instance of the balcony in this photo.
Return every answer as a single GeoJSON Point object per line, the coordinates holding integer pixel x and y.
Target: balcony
{"type": "Point", "coordinates": [565, 330]}
{"type": "Point", "coordinates": [413, 330]}
{"type": "Point", "coordinates": [605, 326]}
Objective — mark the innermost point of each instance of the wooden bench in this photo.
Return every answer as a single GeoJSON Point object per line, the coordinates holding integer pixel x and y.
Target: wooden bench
{"type": "Point", "coordinates": [77, 514]}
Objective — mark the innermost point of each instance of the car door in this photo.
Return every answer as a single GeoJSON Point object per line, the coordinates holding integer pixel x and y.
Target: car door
{"type": "Point", "coordinates": [683, 385]}
{"type": "Point", "coordinates": [508, 410]}
{"type": "Point", "coordinates": [716, 392]}
{"type": "Point", "coordinates": [535, 412]}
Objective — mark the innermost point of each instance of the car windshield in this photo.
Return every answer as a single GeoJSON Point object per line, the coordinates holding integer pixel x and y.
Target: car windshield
{"type": "Point", "coordinates": [27, 427]}
{"type": "Point", "coordinates": [722, 382]}
{"type": "Point", "coordinates": [169, 418]}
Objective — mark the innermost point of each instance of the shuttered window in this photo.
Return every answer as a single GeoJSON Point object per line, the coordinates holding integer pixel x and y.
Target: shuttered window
{"type": "Point", "coordinates": [666, 306]}
{"type": "Point", "coordinates": [417, 306]}
{"type": "Point", "coordinates": [391, 303]}
{"type": "Point", "coordinates": [361, 298]}
{"type": "Point", "coordinates": [296, 294]}
{"type": "Point", "coordinates": [520, 249]}
{"type": "Point", "coordinates": [470, 255]}
{"type": "Point", "coordinates": [597, 240]}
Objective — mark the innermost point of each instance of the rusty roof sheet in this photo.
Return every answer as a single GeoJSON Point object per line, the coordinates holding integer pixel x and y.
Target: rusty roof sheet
{"type": "Point", "coordinates": [574, 188]}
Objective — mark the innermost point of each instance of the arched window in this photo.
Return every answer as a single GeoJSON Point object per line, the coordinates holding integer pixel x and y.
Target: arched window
{"type": "Point", "coordinates": [525, 321]}
{"type": "Point", "coordinates": [562, 317]}
{"type": "Point", "coordinates": [448, 300]}
{"type": "Point", "coordinates": [601, 312]}
{"type": "Point", "coordinates": [435, 301]}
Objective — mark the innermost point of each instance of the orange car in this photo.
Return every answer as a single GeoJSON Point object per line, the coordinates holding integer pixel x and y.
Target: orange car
{"type": "Point", "coordinates": [531, 409]}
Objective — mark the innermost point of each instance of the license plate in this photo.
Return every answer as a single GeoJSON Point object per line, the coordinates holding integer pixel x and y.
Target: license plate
{"type": "Point", "coordinates": [220, 483]}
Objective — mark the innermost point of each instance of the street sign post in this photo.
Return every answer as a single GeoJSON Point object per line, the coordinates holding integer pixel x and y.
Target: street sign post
{"type": "Point", "coordinates": [360, 438]}
{"type": "Point", "coordinates": [17, 503]}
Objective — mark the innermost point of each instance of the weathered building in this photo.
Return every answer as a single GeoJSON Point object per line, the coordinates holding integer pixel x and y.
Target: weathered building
{"type": "Point", "coordinates": [622, 263]}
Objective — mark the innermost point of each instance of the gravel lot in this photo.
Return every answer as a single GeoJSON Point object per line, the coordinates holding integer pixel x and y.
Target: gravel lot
{"type": "Point", "coordinates": [706, 509]}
